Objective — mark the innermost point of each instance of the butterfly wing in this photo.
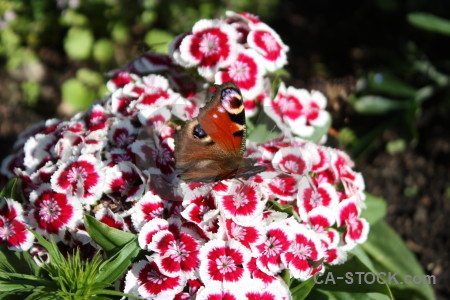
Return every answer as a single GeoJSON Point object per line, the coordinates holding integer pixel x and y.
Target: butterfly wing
{"type": "Point", "coordinates": [223, 119]}
{"type": "Point", "coordinates": [211, 146]}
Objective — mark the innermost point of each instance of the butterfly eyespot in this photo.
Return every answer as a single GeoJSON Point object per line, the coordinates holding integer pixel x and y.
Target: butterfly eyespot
{"type": "Point", "coordinates": [232, 100]}
{"type": "Point", "coordinates": [198, 132]}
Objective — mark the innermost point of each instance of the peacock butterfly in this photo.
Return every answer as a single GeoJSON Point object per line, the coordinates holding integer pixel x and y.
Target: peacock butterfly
{"type": "Point", "coordinates": [211, 146]}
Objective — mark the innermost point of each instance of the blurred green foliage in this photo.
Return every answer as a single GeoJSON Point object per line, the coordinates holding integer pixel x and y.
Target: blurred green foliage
{"type": "Point", "coordinates": [396, 99]}
{"type": "Point", "coordinates": [97, 35]}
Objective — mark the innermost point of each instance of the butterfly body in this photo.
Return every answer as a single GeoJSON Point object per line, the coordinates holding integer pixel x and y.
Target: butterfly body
{"type": "Point", "coordinates": [211, 146]}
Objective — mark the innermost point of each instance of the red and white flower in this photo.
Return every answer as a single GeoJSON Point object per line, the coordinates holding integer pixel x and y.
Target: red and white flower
{"type": "Point", "coordinates": [243, 203]}
{"type": "Point", "coordinates": [310, 197]}
{"type": "Point", "coordinates": [155, 152]}
{"type": "Point", "coordinates": [146, 280]}
{"type": "Point", "coordinates": [119, 80]}
{"type": "Point", "coordinates": [356, 228]}
{"type": "Point", "coordinates": [52, 213]}
{"type": "Point", "coordinates": [37, 151]}
{"type": "Point", "coordinates": [212, 45]}
{"type": "Point", "coordinates": [122, 133]}
{"type": "Point", "coordinates": [215, 291]}
{"type": "Point", "coordinates": [283, 186]}
{"type": "Point", "coordinates": [154, 91]}
{"type": "Point", "coordinates": [13, 229]}
{"type": "Point", "coordinates": [126, 181]}
{"type": "Point", "coordinates": [269, 45]}
{"type": "Point", "coordinates": [246, 235]}
{"type": "Point", "coordinates": [224, 262]}
{"type": "Point", "coordinates": [304, 249]}
{"type": "Point", "coordinates": [276, 291]}
{"type": "Point", "coordinates": [247, 71]}
{"type": "Point", "coordinates": [149, 207]}
{"type": "Point", "coordinates": [270, 251]}
{"type": "Point", "coordinates": [193, 285]}
{"type": "Point", "coordinates": [293, 160]}
{"type": "Point", "coordinates": [176, 254]}
{"type": "Point", "coordinates": [108, 217]}
{"type": "Point", "coordinates": [297, 111]}
{"type": "Point", "coordinates": [149, 230]}
{"type": "Point", "coordinates": [203, 240]}
{"type": "Point", "coordinates": [259, 276]}
{"type": "Point", "coordinates": [81, 178]}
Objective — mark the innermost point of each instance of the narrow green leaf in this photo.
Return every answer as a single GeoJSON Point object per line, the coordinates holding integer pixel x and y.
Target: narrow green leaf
{"type": "Point", "coordinates": [115, 266]}
{"type": "Point", "coordinates": [390, 85]}
{"type": "Point", "coordinates": [390, 254]}
{"type": "Point", "coordinates": [17, 285]}
{"type": "Point", "coordinates": [275, 86]}
{"type": "Point", "coordinates": [377, 105]}
{"type": "Point", "coordinates": [10, 190]}
{"type": "Point", "coordinates": [429, 22]}
{"type": "Point", "coordinates": [110, 239]}
{"type": "Point", "coordinates": [302, 290]}
{"type": "Point", "coordinates": [363, 257]}
{"type": "Point", "coordinates": [51, 247]}
{"type": "Point", "coordinates": [114, 293]}
{"type": "Point", "coordinates": [333, 295]}
{"type": "Point", "coordinates": [354, 277]}
{"type": "Point", "coordinates": [285, 208]}
{"type": "Point", "coordinates": [375, 210]}
{"type": "Point", "coordinates": [17, 262]}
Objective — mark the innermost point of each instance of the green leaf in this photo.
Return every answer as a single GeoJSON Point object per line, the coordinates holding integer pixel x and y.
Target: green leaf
{"type": "Point", "coordinates": [103, 51]}
{"type": "Point", "coordinates": [51, 247]}
{"type": "Point", "coordinates": [390, 85]}
{"type": "Point", "coordinates": [115, 266]}
{"type": "Point", "coordinates": [76, 94]}
{"type": "Point", "coordinates": [89, 77]}
{"type": "Point", "coordinates": [11, 189]}
{"type": "Point", "coordinates": [375, 210]}
{"type": "Point", "coordinates": [350, 277]}
{"type": "Point", "coordinates": [276, 82]}
{"type": "Point", "coordinates": [262, 128]}
{"type": "Point", "coordinates": [377, 105]}
{"type": "Point", "coordinates": [428, 69]}
{"type": "Point", "coordinates": [302, 290]}
{"type": "Point", "coordinates": [120, 33]}
{"type": "Point", "coordinates": [363, 257]}
{"type": "Point", "coordinates": [17, 262]}
{"type": "Point", "coordinates": [333, 295]}
{"type": "Point", "coordinates": [390, 254]}
{"type": "Point", "coordinates": [396, 146]}
{"type": "Point", "coordinates": [31, 90]}
{"type": "Point", "coordinates": [159, 40]}
{"type": "Point", "coordinates": [110, 239]}
{"type": "Point", "coordinates": [113, 293]}
{"type": "Point", "coordinates": [285, 208]}
{"type": "Point", "coordinates": [429, 22]}
{"type": "Point", "coordinates": [78, 43]}
{"type": "Point", "coordinates": [73, 18]}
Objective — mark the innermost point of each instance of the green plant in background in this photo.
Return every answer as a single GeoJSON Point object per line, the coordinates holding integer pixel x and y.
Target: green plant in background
{"type": "Point", "coordinates": [66, 276]}
{"type": "Point", "coordinates": [395, 101]}
{"type": "Point", "coordinates": [96, 35]}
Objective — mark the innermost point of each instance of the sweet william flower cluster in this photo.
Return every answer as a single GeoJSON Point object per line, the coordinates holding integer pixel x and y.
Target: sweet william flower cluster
{"type": "Point", "coordinates": [227, 239]}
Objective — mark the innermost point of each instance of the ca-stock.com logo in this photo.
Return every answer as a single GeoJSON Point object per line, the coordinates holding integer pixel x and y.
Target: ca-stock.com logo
{"type": "Point", "coordinates": [368, 278]}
